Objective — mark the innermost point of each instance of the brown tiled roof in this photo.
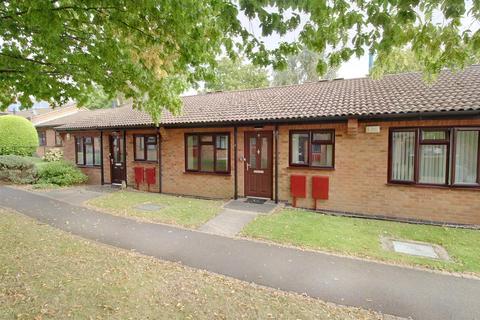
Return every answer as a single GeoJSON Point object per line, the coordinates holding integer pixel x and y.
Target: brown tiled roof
{"type": "Point", "coordinates": [66, 119]}
{"type": "Point", "coordinates": [393, 94]}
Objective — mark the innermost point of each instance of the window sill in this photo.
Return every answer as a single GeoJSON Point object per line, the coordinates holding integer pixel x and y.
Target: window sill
{"type": "Point", "coordinates": [432, 186]}
{"type": "Point", "coordinates": [309, 168]}
{"type": "Point", "coordinates": [145, 161]}
{"type": "Point", "coordinates": [208, 173]}
{"type": "Point", "coordinates": [86, 166]}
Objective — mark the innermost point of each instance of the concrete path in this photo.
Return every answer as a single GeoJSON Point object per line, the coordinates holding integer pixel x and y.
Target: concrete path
{"type": "Point", "coordinates": [389, 289]}
{"type": "Point", "coordinates": [77, 195]}
{"type": "Point", "coordinates": [236, 214]}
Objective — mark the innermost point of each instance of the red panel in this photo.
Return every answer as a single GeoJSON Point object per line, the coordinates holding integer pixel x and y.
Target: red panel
{"type": "Point", "coordinates": [298, 186]}
{"type": "Point", "coordinates": [139, 173]}
{"type": "Point", "coordinates": [150, 173]}
{"type": "Point", "coordinates": [320, 188]}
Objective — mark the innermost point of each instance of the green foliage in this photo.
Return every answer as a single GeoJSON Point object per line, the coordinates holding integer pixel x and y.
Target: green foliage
{"type": "Point", "coordinates": [302, 67]}
{"type": "Point", "coordinates": [98, 99]}
{"type": "Point", "coordinates": [153, 50]}
{"type": "Point", "coordinates": [18, 136]}
{"type": "Point", "coordinates": [234, 75]}
{"type": "Point", "coordinates": [17, 169]}
{"type": "Point", "coordinates": [397, 61]}
{"type": "Point", "coordinates": [53, 155]}
{"type": "Point", "coordinates": [60, 173]}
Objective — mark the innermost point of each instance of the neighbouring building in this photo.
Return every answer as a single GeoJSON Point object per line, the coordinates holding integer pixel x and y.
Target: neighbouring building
{"type": "Point", "coordinates": [396, 147]}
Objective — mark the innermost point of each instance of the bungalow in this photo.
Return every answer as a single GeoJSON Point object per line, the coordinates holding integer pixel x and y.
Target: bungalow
{"type": "Point", "coordinates": [396, 147]}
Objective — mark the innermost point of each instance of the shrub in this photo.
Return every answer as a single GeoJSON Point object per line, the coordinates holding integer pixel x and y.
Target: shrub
{"type": "Point", "coordinates": [17, 169]}
{"type": "Point", "coordinates": [60, 173]}
{"type": "Point", "coordinates": [53, 155]}
{"type": "Point", "coordinates": [18, 136]}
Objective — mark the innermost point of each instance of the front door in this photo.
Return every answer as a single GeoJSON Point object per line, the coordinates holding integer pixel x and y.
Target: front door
{"type": "Point", "coordinates": [117, 160]}
{"type": "Point", "coordinates": [258, 164]}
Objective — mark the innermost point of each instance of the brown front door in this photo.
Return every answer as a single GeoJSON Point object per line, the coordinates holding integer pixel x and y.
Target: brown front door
{"type": "Point", "coordinates": [117, 159]}
{"type": "Point", "coordinates": [258, 164]}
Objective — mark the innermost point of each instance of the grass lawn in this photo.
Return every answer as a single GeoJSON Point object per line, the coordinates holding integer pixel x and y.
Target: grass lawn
{"type": "Point", "coordinates": [188, 212]}
{"type": "Point", "coordinates": [361, 237]}
{"type": "Point", "coordinates": [48, 274]}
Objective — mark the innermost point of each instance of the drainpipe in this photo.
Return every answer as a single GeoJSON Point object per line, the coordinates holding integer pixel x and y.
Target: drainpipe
{"type": "Point", "coordinates": [101, 158]}
{"type": "Point", "coordinates": [276, 163]}
{"type": "Point", "coordinates": [159, 143]}
{"type": "Point", "coordinates": [235, 164]}
{"type": "Point", "coordinates": [125, 155]}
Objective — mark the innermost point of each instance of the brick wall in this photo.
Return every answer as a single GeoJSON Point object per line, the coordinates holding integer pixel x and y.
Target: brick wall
{"type": "Point", "coordinates": [358, 184]}
{"type": "Point", "coordinates": [50, 142]}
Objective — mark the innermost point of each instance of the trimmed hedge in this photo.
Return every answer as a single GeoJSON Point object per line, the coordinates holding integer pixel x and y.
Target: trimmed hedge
{"type": "Point", "coordinates": [18, 136]}
{"type": "Point", "coordinates": [60, 173]}
{"type": "Point", "coordinates": [17, 169]}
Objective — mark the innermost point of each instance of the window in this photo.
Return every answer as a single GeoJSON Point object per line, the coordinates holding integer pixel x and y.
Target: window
{"type": "Point", "coordinates": [58, 139]}
{"type": "Point", "coordinates": [146, 148]}
{"type": "Point", "coordinates": [42, 138]}
{"type": "Point", "coordinates": [207, 152]}
{"type": "Point", "coordinates": [435, 156]}
{"type": "Point", "coordinates": [88, 151]}
{"type": "Point", "coordinates": [312, 148]}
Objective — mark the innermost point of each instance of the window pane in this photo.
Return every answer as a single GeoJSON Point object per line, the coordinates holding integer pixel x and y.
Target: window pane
{"type": "Point", "coordinates": [151, 152]}
{"type": "Point", "coordinates": [58, 139]}
{"type": "Point", "coordinates": [299, 147]}
{"type": "Point", "coordinates": [206, 157]}
{"type": "Point", "coordinates": [322, 155]}
{"type": "Point", "coordinates": [192, 152]}
{"type": "Point", "coordinates": [79, 151]}
{"type": "Point", "coordinates": [252, 153]}
{"type": "Point", "coordinates": [264, 154]}
{"type": "Point", "coordinates": [434, 135]}
{"type": "Point", "coordinates": [42, 138]}
{"type": "Point", "coordinates": [118, 149]}
{"type": "Point", "coordinates": [207, 138]}
{"type": "Point", "coordinates": [403, 156]}
{"type": "Point", "coordinates": [152, 139]}
{"type": "Point", "coordinates": [433, 162]}
{"type": "Point", "coordinates": [466, 157]}
{"type": "Point", "coordinates": [322, 136]}
{"type": "Point", "coordinates": [139, 148]}
{"type": "Point", "coordinates": [88, 151]}
{"type": "Point", "coordinates": [97, 151]}
{"type": "Point", "coordinates": [222, 153]}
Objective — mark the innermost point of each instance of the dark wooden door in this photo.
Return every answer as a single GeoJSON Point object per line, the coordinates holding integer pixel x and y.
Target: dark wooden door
{"type": "Point", "coordinates": [117, 159]}
{"type": "Point", "coordinates": [258, 164]}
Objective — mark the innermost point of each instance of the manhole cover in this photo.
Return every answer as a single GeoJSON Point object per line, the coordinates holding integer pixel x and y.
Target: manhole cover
{"type": "Point", "coordinates": [414, 248]}
{"type": "Point", "coordinates": [149, 207]}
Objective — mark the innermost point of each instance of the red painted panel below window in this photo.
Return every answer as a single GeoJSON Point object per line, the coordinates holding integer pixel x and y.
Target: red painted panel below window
{"type": "Point", "coordinates": [320, 188]}
{"type": "Point", "coordinates": [150, 173]}
{"type": "Point", "coordinates": [298, 186]}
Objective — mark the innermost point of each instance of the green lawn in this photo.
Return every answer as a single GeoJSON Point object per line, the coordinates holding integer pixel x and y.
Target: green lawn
{"type": "Point", "coordinates": [48, 274]}
{"type": "Point", "coordinates": [361, 237]}
{"type": "Point", "coordinates": [188, 212]}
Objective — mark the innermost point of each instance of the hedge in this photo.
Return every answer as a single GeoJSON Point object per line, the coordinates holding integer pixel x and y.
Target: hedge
{"type": "Point", "coordinates": [60, 173]}
{"type": "Point", "coordinates": [18, 136]}
{"type": "Point", "coordinates": [17, 169]}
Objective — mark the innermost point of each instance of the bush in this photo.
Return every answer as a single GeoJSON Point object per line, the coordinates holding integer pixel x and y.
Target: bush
{"type": "Point", "coordinates": [18, 136]}
{"type": "Point", "coordinates": [60, 173]}
{"type": "Point", "coordinates": [17, 169]}
{"type": "Point", "coordinates": [53, 155]}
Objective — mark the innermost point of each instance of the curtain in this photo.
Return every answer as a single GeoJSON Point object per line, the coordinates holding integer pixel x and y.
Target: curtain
{"type": "Point", "coordinates": [403, 155]}
{"type": "Point", "coordinates": [433, 162]}
{"type": "Point", "coordinates": [466, 157]}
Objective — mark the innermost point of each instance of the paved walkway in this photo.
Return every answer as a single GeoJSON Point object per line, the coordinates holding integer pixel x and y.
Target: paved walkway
{"type": "Point", "coordinates": [236, 214]}
{"type": "Point", "coordinates": [389, 289]}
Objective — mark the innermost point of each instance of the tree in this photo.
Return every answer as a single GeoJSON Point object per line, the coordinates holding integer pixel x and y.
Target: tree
{"type": "Point", "coordinates": [18, 136]}
{"type": "Point", "coordinates": [301, 68]}
{"type": "Point", "coordinates": [153, 50]}
{"type": "Point", "coordinates": [397, 61]}
{"type": "Point", "coordinates": [235, 75]}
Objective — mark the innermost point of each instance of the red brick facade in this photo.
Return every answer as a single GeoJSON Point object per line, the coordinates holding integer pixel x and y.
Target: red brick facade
{"type": "Point", "coordinates": [358, 183]}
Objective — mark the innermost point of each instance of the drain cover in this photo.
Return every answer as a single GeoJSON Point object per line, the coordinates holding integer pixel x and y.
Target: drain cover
{"type": "Point", "coordinates": [255, 200]}
{"type": "Point", "coordinates": [149, 207]}
{"type": "Point", "coordinates": [415, 249]}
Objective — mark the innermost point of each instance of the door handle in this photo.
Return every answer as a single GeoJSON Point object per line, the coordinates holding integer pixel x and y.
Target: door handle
{"type": "Point", "coordinates": [248, 166]}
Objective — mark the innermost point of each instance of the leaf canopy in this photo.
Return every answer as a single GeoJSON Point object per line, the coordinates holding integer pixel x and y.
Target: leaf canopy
{"type": "Point", "coordinates": [153, 50]}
